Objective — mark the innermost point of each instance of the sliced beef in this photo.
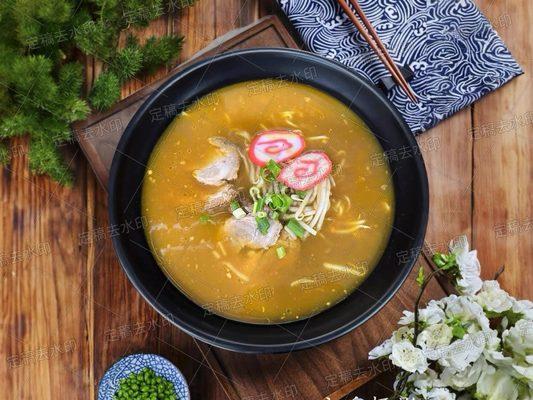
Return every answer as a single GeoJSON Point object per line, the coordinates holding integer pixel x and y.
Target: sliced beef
{"type": "Point", "coordinates": [224, 168]}
{"type": "Point", "coordinates": [244, 233]}
{"type": "Point", "coordinates": [221, 199]}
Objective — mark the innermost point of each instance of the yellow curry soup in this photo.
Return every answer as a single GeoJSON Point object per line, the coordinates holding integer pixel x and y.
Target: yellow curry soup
{"type": "Point", "coordinates": [256, 285]}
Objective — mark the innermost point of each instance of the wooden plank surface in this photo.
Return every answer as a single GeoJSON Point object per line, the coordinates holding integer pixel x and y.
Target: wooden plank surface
{"type": "Point", "coordinates": [502, 152]}
{"type": "Point", "coordinates": [68, 310]}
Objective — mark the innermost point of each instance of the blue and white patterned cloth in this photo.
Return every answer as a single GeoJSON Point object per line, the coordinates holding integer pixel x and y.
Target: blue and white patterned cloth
{"type": "Point", "coordinates": [455, 54]}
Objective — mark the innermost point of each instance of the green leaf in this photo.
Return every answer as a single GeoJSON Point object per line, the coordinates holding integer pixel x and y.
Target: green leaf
{"type": "Point", "coordinates": [5, 154]}
{"type": "Point", "coordinates": [74, 109]}
{"type": "Point", "coordinates": [105, 92]}
{"type": "Point", "coordinates": [71, 78]}
{"type": "Point", "coordinates": [444, 261]}
{"type": "Point", "coordinates": [420, 278]}
{"type": "Point", "coordinates": [53, 11]}
{"type": "Point", "coordinates": [160, 51]}
{"type": "Point", "coordinates": [96, 38]}
{"type": "Point", "coordinates": [127, 63]}
{"type": "Point", "coordinates": [44, 158]}
{"type": "Point", "coordinates": [17, 125]}
{"type": "Point", "coordinates": [458, 331]}
{"type": "Point", "coordinates": [32, 80]}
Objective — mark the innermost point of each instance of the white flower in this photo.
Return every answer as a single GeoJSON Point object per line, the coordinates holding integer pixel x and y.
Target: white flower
{"type": "Point", "coordinates": [466, 310]}
{"type": "Point", "coordinates": [498, 358]}
{"type": "Point", "coordinates": [434, 337]}
{"type": "Point", "coordinates": [425, 380]}
{"type": "Point", "coordinates": [496, 384]}
{"type": "Point", "coordinates": [524, 307]}
{"type": "Point", "coordinates": [404, 333]}
{"type": "Point", "coordinates": [519, 339]}
{"type": "Point", "coordinates": [408, 357]}
{"type": "Point", "coordinates": [460, 380]}
{"type": "Point", "coordinates": [492, 298]}
{"type": "Point", "coordinates": [432, 314]}
{"type": "Point", "coordinates": [384, 349]}
{"type": "Point", "coordinates": [524, 372]}
{"type": "Point", "coordinates": [440, 394]}
{"type": "Point", "coordinates": [469, 267]}
{"type": "Point", "coordinates": [459, 354]}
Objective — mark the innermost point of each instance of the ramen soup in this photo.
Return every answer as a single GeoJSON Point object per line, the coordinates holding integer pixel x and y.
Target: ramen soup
{"type": "Point", "coordinates": [267, 201]}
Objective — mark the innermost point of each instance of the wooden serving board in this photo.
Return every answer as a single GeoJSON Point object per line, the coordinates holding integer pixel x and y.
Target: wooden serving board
{"type": "Point", "coordinates": [308, 374]}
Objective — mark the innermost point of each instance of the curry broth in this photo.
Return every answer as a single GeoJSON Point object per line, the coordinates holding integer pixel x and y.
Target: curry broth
{"type": "Point", "coordinates": [202, 262]}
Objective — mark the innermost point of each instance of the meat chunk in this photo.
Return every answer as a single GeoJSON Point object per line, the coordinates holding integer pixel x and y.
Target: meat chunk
{"type": "Point", "coordinates": [221, 199]}
{"type": "Point", "coordinates": [244, 233]}
{"type": "Point", "coordinates": [223, 168]}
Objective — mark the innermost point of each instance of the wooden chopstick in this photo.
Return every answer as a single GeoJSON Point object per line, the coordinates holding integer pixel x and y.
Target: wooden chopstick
{"type": "Point", "coordinates": [370, 35]}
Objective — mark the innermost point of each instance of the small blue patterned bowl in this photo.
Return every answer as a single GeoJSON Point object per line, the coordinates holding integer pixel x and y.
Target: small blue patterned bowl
{"type": "Point", "coordinates": [134, 363]}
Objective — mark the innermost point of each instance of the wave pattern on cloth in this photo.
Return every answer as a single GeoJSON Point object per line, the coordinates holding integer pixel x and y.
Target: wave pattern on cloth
{"type": "Point", "coordinates": [456, 55]}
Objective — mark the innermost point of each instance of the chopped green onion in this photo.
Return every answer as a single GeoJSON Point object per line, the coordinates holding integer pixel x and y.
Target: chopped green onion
{"type": "Point", "coordinates": [279, 202]}
{"type": "Point", "coordinates": [262, 225]}
{"type": "Point", "coordinates": [259, 204]}
{"type": "Point", "coordinates": [295, 227]}
{"type": "Point", "coordinates": [281, 252]}
{"type": "Point", "coordinates": [255, 192]}
{"type": "Point", "coordinates": [270, 171]}
{"type": "Point", "coordinates": [204, 218]}
{"type": "Point", "coordinates": [274, 215]}
{"type": "Point", "coordinates": [234, 205]}
{"type": "Point", "coordinates": [273, 201]}
{"type": "Point", "coordinates": [301, 193]}
{"type": "Point", "coordinates": [239, 213]}
{"type": "Point", "coordinates": [273, 167]}
{"type": "Point", "coordinates": [267, 175]}
{"type": "Point", "coordinates": [261, 214]}
{"type": "Point", "coordinates": [287, 201]}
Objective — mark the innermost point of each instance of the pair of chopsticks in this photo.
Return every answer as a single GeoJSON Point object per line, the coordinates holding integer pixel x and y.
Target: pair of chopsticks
{"type": "Point", "coordinates": [369, 34]}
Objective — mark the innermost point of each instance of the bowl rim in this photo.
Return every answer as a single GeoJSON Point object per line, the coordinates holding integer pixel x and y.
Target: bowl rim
{"type": "Point", "coordinates": [298, 343]}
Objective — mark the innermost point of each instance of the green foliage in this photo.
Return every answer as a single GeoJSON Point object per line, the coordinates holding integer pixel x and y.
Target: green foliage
{"type": "Point", "coordinates": [160, 51]}
{"type": "Point", "coordinates": [17, 124]}
{"type": "Point", "coordinates": [106, 91]}
{"type": "Point", "coordinates": [71, 78]}
{"type": "Point", "coordinates": [42, 91]}
{"type": "Point", "coordinates": [96, 38]}
{"type": "Point", "coordinates": [445, 261]}
{"type": "Point", "coordinates": [5, 155]}
{"type": "Point", "coordinates": [32, 81]}
{"type": "Point", "coordinates": [127, 63]}
{"type": "Point", "coordinates": [45, 159]}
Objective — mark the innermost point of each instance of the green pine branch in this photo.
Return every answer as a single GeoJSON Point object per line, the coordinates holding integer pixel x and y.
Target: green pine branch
{"type": "Point", "coordinates": [105, 91]}
{"type": "Point", "coordinates": [42, 91]}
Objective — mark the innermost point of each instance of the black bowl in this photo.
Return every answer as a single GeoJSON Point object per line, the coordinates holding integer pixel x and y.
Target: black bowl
{"type": "Point", "coordinates": [144, 130]}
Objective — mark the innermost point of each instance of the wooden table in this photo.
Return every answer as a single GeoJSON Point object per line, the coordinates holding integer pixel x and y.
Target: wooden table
{"type": "Point", "coordinates": [68, 311]}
